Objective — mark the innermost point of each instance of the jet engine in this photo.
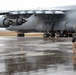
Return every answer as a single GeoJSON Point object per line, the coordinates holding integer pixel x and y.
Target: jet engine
{"type": "Point", "coordinates": [5, 22]}
{"type": "Point", "coordinates": [20, 21]}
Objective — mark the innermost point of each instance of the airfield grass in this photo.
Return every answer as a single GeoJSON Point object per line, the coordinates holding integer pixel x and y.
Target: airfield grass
{"type": "Point", "coordinates": [12, 33]}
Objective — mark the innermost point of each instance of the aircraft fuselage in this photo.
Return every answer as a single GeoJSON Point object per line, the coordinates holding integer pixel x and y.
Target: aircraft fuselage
{"type": "Point", "coordinates": [53, 22]}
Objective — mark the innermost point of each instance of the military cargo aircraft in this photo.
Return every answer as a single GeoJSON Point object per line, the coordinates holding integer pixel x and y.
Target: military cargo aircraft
{"type": "Point", "coordinates": [59, 21]}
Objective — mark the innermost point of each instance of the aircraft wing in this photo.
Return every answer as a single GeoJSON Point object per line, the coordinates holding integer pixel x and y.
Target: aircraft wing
{"type": "Point", "coordinates": [21, 16]}
{"type": "Point", "coordinates": [4, 12]}
{"type": "Point", "coordinates": [53, 10]}
{"type": "Point", "coordinates": [21, 12]}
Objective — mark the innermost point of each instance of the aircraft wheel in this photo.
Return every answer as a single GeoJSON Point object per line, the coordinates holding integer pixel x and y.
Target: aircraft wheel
{"type": "Point", "coordinates": [70, 35]}
{"type": "Point", "coordinates": [58, 33]}
{"type": "Point", "coordinates": [65, 33]}
{"type": "Point", "coordinates": [61, 34]}
{"type": "Point", "coordinates": [46, 35]}
{"type": "Point", "coordinates": [52, 34]}
{"type": "Point", "coordinates": [20, 35]}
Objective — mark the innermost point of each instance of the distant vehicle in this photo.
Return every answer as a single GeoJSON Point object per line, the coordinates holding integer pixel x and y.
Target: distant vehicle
{"type": "Point", "coordinates": [59, 21]}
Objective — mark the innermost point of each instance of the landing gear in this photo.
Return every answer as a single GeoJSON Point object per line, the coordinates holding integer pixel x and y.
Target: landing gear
{"type": "Point", "coordinates": [58, 33]}
{"type": "Point", "coordinates": [20, 35]}
{"type": "Point", "coordinates": [52, 34]}
{"type": "Point", "coordinates": [70, 34]}
{"type": "Point", "coordinates": [62, 33]}
{"type": "Point", "coordinates": [46, 35]}
{"type": "Point", "coordinates": [65, 33]}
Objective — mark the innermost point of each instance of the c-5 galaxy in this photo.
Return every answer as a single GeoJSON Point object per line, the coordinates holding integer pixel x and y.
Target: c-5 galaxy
{"type": "Point", "coordinates": [58, 21]}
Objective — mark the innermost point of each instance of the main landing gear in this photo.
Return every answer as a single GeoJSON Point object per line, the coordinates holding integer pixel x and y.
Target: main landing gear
{"type": "Point", "coordinates": [57, 34]}
{"type": "Point", "coordinates": [47, 35]}
{"type": "Point", "coordinates": [62, 33]}
{"type": "Point", "coordinates": [65, 33]}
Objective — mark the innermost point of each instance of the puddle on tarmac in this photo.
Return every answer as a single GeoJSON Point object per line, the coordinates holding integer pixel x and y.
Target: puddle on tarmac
{"type": "Point", "coordinates": [31, 56]}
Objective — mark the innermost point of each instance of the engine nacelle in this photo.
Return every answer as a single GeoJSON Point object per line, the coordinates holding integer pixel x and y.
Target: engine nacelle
{"type": "Point", "coordinates": [20, 21]}
{"type": "Point", "coordinates": [5, 22]}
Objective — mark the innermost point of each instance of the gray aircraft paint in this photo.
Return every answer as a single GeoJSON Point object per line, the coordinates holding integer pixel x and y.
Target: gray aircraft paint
{"type": "Point", "coordinates": [42, 22]}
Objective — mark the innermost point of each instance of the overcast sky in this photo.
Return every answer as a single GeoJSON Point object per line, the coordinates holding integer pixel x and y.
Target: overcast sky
{"type": "Point", "coordinates": [26, 4]}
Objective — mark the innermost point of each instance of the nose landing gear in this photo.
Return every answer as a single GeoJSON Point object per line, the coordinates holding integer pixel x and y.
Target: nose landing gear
{"type": "Point", "coordinates": [20, 34]}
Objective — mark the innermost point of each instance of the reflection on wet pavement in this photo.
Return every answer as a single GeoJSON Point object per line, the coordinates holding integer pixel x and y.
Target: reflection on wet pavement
{"type": "Point", "coordinates": [35, 55]}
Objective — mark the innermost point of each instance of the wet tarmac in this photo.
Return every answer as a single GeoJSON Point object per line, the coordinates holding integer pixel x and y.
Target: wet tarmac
{"type": "Point", "coordinates": [36, 56]}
